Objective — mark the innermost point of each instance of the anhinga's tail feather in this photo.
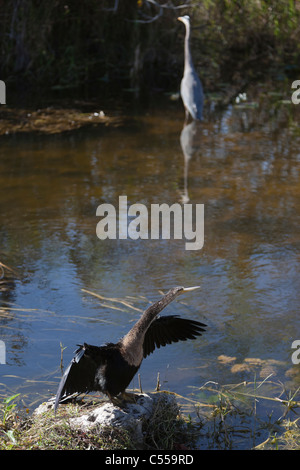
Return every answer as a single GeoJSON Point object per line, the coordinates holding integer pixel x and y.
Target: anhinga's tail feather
{"type": "Point", "coordinates": [79, 375]}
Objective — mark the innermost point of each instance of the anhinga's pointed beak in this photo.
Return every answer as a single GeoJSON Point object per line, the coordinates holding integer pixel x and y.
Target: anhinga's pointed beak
{"type": "Point", "coordinates": [188, 289]}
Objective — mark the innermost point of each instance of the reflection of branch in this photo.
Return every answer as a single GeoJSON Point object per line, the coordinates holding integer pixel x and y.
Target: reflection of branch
{"type": "Point", "coordinates": [123, 302]}
{"type": "Point", "coordinates": [2, 269]}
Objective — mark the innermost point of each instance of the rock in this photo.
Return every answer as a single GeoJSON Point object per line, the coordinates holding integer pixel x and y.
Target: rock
{"type": "Point", "coordinates": [130, 416]}
{"type": "Point", "coordinates": [43, 408]}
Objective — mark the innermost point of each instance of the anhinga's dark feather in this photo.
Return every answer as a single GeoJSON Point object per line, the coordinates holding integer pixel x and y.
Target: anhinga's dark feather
{"type": "Point", "coordinates": [96, 368]}
{"type": "Point", "coordinates": [170, 329]}
{"type": "Point", "coordinates": [79, 377]}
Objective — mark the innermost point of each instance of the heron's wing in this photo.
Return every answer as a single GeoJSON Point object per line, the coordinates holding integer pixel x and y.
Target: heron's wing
{"type": "Point", "coordinates": [192, 94]}
{"type": "Point", "coordinates": [79, 376]}
{"type": "Point", "coordinates": [170, 329]}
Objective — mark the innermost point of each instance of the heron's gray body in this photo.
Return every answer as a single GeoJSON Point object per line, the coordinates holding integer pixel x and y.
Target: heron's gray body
{"type": "Point", "coordinates": [191, 89]}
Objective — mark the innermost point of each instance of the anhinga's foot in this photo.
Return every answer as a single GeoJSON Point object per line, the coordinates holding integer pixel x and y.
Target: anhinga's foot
{"type": "Point", "coordinates": [113, 400]}
{"type": "Point", "coordinates": [129, 397]}
{"type": "Point", "coordinates": [122, 399]}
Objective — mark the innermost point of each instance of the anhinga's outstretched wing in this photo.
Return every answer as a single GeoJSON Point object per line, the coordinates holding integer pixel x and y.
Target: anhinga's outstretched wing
{"type": "Point", "coordinates": [170, 329]}
{"type": "Point", "coordinates": [79, 377]}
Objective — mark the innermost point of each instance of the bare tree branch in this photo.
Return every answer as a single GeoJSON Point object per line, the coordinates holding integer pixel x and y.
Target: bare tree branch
{"type": "Point", "coordinates": [147, 3]}
{"type": "Point", "coordinates": [115, 7]}
{"type": "Point", "coordinates": [169, 5]}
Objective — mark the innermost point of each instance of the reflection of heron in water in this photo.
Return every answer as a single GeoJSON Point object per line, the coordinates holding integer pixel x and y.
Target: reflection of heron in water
{"type": "Point", "coordinates": [190, 143]}
{"type": "Point", "coordinates": [191, 87]}
{"type": "Point", "coordinates": [111, 367]}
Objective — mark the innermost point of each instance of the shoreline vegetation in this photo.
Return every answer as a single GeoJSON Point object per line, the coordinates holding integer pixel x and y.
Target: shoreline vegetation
{"type": "Point", "coordinates": [223, 418]}
{"type": "Point", "coordinates": [62, 62]}
{"type": "Point", "coordinates": [138, 46]}
{"type": "Point", "coordinates": [271, 97]}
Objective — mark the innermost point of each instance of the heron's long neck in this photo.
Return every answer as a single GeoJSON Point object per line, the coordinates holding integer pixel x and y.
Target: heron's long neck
{"type": "Point", "coordinates": [187, 50]}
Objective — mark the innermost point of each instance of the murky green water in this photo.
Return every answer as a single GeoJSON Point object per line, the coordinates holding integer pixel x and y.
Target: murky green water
{"type": "Point", "coordinates": [243, 164]}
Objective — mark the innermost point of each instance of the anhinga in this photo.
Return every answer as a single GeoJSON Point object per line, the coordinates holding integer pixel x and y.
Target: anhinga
{"type": "Point", "coordinates": [191, 88]}
{"type": "Point", "coordinates": [111, 367]}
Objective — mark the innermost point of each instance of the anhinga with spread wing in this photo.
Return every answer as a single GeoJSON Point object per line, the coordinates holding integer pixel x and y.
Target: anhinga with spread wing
{"type": "Point", "coordinates": [111, 367]}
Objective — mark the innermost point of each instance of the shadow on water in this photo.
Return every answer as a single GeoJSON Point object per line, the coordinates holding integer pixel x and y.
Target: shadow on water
{"type": "Point", "coordinates": [241, 163]}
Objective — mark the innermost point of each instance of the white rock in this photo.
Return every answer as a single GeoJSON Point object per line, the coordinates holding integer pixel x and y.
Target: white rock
{"type": "Point", "coordinates": [129, 417]}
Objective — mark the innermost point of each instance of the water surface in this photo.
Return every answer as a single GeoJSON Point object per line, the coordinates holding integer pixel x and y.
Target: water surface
{"type": "Point", "coordinates": [242, 164]}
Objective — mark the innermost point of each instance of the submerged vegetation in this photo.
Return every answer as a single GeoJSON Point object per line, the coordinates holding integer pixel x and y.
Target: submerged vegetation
{"type": "Point", "coordinates": [60, 45]}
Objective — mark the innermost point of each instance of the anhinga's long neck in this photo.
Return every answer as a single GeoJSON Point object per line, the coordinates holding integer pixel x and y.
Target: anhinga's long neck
{"type": "Point", "coordinates": [133, 341]}
{"type": "Point", "coordinates": [132, 344]}
{"type": "Point", "coordinates": [151, 313]}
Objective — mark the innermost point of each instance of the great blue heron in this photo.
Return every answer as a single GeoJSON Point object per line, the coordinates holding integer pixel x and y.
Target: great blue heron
{"type": "Point", "coordinates": [191, 88]}
{"type": "Point", "coordinates": [111, 367]}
